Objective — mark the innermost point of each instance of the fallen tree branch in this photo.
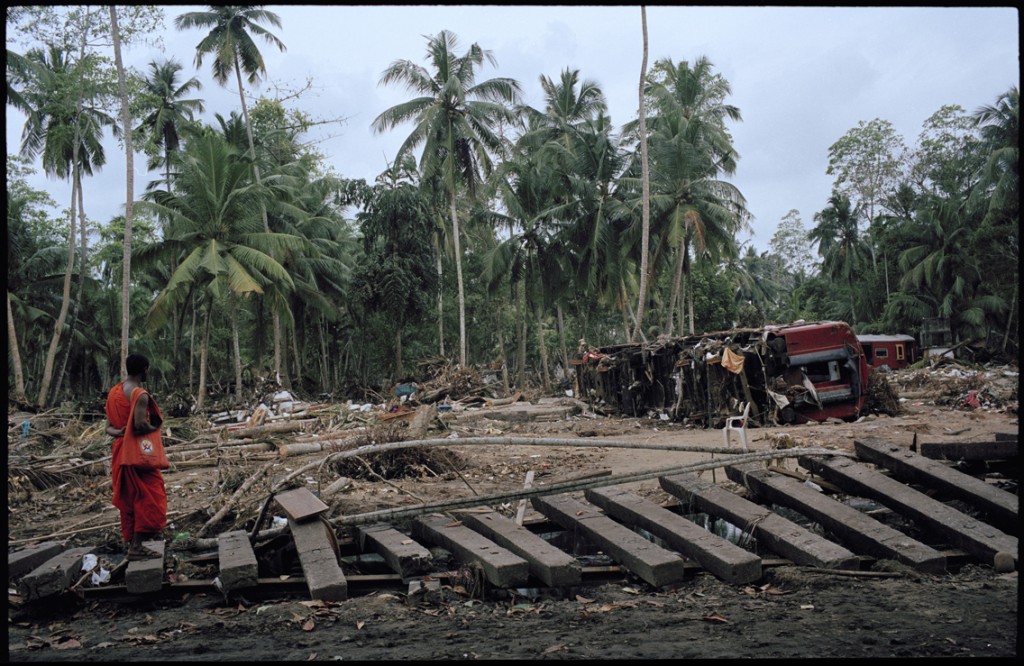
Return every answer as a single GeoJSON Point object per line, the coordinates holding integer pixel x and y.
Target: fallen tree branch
{"type": "Point", "coordinates": [217, 517]}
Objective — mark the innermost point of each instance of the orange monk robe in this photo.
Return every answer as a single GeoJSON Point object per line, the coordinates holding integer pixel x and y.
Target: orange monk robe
{"type": "Point", "coordinates": [139, 493]}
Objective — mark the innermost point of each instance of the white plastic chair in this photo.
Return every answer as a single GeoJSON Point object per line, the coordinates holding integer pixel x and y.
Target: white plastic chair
{"type": "Point", "coordinates": [737, 424]}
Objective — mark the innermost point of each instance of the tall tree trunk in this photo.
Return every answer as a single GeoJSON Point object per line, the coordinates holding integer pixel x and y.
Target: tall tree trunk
{"type": "Point", "coordinates": [266, 222]}
{"type": "Point", "coordinates": [236, 349]}
{"type": "Point", "coordinates": [693, 326]}
{"type": "Point", "coordinates": [561, 339]}
{"type": "Point", "coordinates": [458, 276]}
{"type": "Point", "coordinates": [297, 360]}
{"type": "Point", "coordinates": [853, 305]}
{"type": "Point", "coordinates": [77, 303]}
{"type": "Point", "coordinates": [646, 184]}
{"type": "Point", "coordinates": [399, 370]}
{"type": "Point", "coordinates": [325, 359]}
{"type": "Point", "coordinates": [624, 298]}
{"type": "Point", "coordinates": [521, 320]}
{"type": "Point", "coordinates": [58, 326]}
{"type": "Point", "coordinates": [1006, 336]}
{"type": "Point", "coordinates": [674, 298]}
{"type": "Point", "coordinates": [12, 344]}
{"type": "Point", "coordinates": [501, 348]}
{"type": "Point", "coordinates": [204, 354]}
{"type": "Point", "coordinates": [440, 295]}
{"type": "Point", "coordinates": [129, 154]}
{"type": "Point", "coordinates": [192, 346]}
{"type": "Point", "coordinates": [543, 349]}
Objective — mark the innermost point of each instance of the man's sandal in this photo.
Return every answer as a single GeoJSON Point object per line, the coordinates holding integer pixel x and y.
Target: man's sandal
{"type": "Point", "coordinates": [143, 553]}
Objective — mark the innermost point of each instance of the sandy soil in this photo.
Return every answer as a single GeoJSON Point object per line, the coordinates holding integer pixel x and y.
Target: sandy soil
{"type": "Point", "coordinates": [791, 612]}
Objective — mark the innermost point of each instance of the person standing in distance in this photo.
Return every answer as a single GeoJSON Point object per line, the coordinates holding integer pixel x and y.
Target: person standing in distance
{"type": "Point", "coordinates": [139, 492]}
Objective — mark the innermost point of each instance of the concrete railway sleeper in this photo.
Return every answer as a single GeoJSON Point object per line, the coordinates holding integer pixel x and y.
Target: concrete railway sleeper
{"type": "Point", "coordinates": [591, 531]}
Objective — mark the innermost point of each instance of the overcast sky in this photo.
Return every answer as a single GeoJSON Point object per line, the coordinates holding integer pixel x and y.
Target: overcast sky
{"type": "Point", "coordinates": [801, 77]}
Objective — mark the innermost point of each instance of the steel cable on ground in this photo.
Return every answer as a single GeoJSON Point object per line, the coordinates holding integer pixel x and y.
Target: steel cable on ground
{"type": "Point", "coordinates": [399, 513]}
{"type": "Point", "coordinates": [499, 441]}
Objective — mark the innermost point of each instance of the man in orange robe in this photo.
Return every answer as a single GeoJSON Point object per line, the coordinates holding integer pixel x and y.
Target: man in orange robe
{"type": "Point", "coordinates": [139, 493]}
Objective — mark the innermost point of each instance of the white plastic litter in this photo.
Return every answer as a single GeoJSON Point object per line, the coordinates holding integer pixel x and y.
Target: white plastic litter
{"type": "Point", "coordinates": [89, 562]}
{"type": "Point", "coordinates": [100, 577]}
{"type": "Point", "coordinates": [279, 521]}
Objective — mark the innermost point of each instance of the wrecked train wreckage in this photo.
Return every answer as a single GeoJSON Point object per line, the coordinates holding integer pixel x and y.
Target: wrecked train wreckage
{"type": "Point", "coordinates": [791, 373]}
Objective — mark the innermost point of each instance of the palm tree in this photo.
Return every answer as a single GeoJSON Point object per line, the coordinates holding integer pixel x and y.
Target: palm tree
{"type": "Point", "coordinates": [231, 44]}
{"type": "Point", "coordinates": [560, 132]}
{"type": "Point", "coordinates": [18, 67]}
{"type": "Point", "coordinates": [940, 272]}
{"type": "Point", "coordinates": [397, 277]}
{"type": "Point", "coordinates": [454, 119]}
{"type": "Point", "coordinates": [1000, 131]}
{"type": "Point", "coordinates": [64, 129]}
{"type": "Point", "coordinates": [593, 238]}
{"type": "Point", "coordinates": [168, 111]}
{"type": "Point", "coordinates": [1000, 194]}
{"type": "Point", "coordinates": [322, 274]}
{"type": "Point", "coordinates": [528, 185]}
{"type": "Point", "coordinates": [843, 251]}
{"type": "Point", "coordinates": [215, 225]}
{"type": "Point", "coordinates": [646, 188]}
{"type": "Point", "coordinates": [690, 149]}
{"type": "Point", "coordinates": [569, 103]}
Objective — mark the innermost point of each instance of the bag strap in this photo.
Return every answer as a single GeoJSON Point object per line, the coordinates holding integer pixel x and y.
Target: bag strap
{"type": "Point", "coordinates": [137, 392]}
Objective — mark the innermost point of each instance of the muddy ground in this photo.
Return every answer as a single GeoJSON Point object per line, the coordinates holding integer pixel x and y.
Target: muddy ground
{"type": "Point", "coordinates": [792, 612]}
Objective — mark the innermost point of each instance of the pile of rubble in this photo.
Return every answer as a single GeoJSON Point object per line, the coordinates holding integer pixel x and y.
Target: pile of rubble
{"type": "Point", "coordinates": [961, 385]}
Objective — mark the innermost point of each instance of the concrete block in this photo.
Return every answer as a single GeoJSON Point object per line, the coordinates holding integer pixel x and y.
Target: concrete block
{"type": "Point", "coordinates": [237, 561]}
{"type": "Point", "coordinates": [28, 558]}
{"type": "Point", "coordinates": [54, 575]}
{"type": "Point", "coordinates": [146, 576]}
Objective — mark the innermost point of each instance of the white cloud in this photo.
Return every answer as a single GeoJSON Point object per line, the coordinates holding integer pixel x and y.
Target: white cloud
{"type": "Point", "coordinates": [801, 77]}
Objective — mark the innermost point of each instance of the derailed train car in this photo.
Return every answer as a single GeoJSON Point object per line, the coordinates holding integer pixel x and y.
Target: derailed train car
{"type": "Point", "coordinates": [791, 373]}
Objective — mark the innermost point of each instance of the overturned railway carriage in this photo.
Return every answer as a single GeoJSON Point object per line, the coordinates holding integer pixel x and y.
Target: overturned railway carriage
{"type": "Point", "coordinates": [791, 373]}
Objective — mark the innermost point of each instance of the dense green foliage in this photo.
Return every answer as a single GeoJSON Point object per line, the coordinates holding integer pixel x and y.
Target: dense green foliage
{"type": "Point", "coordinates": [511, 236]}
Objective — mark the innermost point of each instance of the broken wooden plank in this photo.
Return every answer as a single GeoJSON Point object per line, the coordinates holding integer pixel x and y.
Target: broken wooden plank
{"type": "Point", "coordinates": [999, 506]}
{"type": "Point", "coordinates": [502, 567]}
{"type": "Point", "coordinates": [720, 557]}
{"type": "Point", "coordinates": [319, 561]}
{"type": "Point", "coordinates": [775, 533]}
{"type": "Point", "coordinates": [145, 576]}
{"type": "Point", "coordinates": [859, 532]}
{"type": "Point", "coordinates": [237, 566]}
{"type": "Point", "coordinates": [547, 563]}
{"type": "Point", "coordinates": [402, 553]}
{"type": "Point", "coordinates": [973, 536]}
{"type": "Point", "coordinates": [656, 565]}
{"type": "Point", "coordinates": [420, 423]}
{"type": "Point", "coordinates": [970, 451]}
{"type": "Point", "coordinates": [300, 504]}
{"type": "Point", "coordinates": [54, 575]}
